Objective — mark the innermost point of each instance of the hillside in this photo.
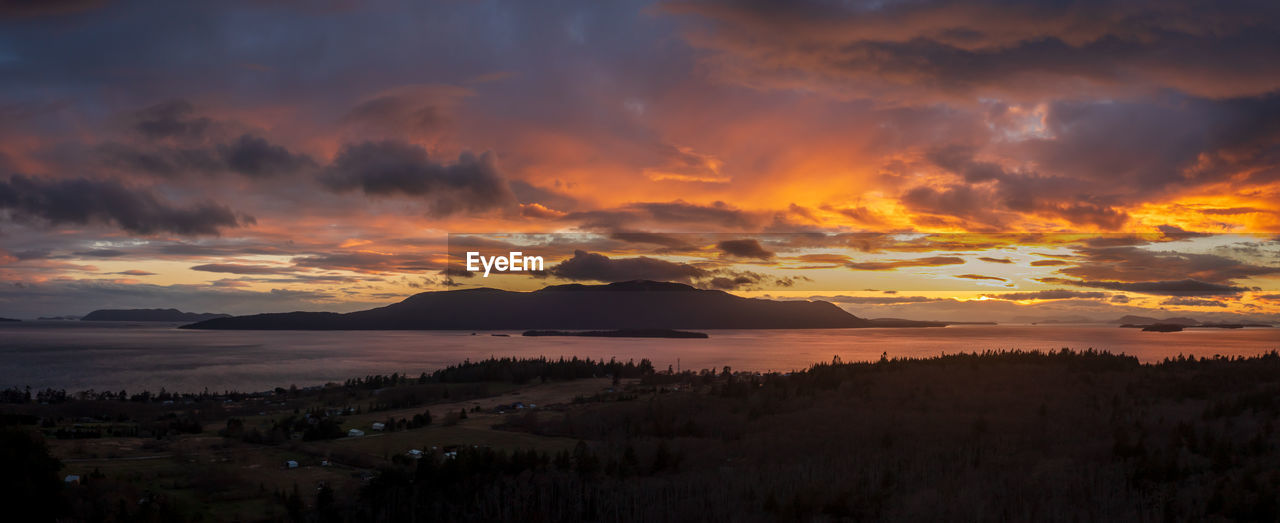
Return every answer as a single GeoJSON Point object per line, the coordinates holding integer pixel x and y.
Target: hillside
{"type": "Point", "coordinates": [173, 315]}
{"type": "Point", "coordinates": [626, 305]}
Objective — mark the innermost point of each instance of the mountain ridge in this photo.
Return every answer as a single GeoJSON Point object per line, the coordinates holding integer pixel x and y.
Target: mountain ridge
{"type": "Point", "coordinates": [637, 304]}
{"type": "Point", "coordinates": [174, 315]}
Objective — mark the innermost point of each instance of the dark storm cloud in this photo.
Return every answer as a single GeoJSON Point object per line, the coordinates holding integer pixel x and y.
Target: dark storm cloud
{"type": "Point", "coordinates": [255, 156]}
{"type": "Point", "coordinates": [1135, 264]}
{"type": "Point", "coordinates": [1193, 302]}
{"type": "Point", "coordinates": [931, 261]}
{"type": "Point", "coordinates": [1054, 294]}
{"type": "Point", "coordinates": [877, 300]}
{"type": "Point", "coordinates": [135, 272]}
{"type": "Point", "coordinates": [942, 48]}
{"type": "Point", "coordinates": [367, 262]}
{"type": "Point", "coordinates": [83, 201]}
{"type": "Point", "coordinates": [239, 268]}
{"type": "Point", "coordinates": [979, 277]}
{"type": "Point", "coordinates": [1185, 287]}
{"type": "Point", "coordinates": [745, 248]}
{"type": "Point", "coordinates": [587, 266]}
{"type": "Point", "coordinates": [388, 168]}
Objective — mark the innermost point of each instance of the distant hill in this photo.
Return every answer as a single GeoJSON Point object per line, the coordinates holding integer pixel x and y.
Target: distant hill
{"type": "Point", "coordinates": [59, 318]}
{"type": "Point", "coordinates": [174, 315]}
{"type": "Point", "coordinates": [8, 319]}
{"type": "Point", "coordinates": [637, 304]}
{"type": "Point", "coordinates": [1143, 320]}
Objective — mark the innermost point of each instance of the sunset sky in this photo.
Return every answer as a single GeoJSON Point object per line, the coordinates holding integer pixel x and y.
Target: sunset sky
{"type": "Point", "coordinates": [975, 160]}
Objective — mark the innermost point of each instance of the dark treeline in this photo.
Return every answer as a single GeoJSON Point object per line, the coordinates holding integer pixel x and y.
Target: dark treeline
{"type": "Point", "coordinates": [514, 370]}
{"type": "Point", "coordinates": [1058, 436]}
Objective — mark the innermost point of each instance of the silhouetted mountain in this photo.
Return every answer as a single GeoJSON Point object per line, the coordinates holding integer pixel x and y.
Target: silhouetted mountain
{"type": "Point", "coordinates": [149, 315]}
{"type": "Point", "coordinates": [1143, 320]}
{"type": "Point", "coordinates": [8, 319]}
{"type": "Point", "coordinates": [625, 305]}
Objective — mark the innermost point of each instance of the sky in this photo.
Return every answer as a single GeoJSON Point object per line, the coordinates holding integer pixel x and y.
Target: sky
{"type": "Point", "coordinates": [925, 159]}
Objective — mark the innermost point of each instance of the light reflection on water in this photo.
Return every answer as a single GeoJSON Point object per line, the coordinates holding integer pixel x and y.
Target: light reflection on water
{"type": "Point", "coordinates": [78, 356]}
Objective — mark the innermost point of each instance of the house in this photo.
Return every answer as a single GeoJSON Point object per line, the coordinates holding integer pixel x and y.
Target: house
{"type": "Point", "coordinates": [71, 479]}
{"type": "Point", "coordinates": [291, 464]}
{"type": "Point", "coordinates": [379, 426]}
{"type": "Point", "coordinates": [355, 433]}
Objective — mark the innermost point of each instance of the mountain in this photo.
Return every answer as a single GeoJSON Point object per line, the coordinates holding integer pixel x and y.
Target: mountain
{"type": "Point", "coordinates": [149, 315]}
{"type": "Point", "coordinates": [8, 319]}
{"type": "Point", "coordinates": [1143, 320]}
{"type": "Point", "coordinates": [637, 304]}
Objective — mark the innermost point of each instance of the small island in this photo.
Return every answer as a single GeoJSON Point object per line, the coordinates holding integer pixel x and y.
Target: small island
{"type": "Point", "coordinates": [8, 319]}
{"type": "Point", "coordinates": [621, 333]}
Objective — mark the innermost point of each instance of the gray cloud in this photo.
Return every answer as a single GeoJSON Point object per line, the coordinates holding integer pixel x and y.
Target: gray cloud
{"type": "Point", "coordinates": [238, 268]}
{"type": "Point", "coordinates": [930, 261]}
{"type": "Point", "coordinates": [598, 267]}
{"type": "Point", "coordinates": [83, 201]}
{"type": "Point", "coordinates": [389, 168]}
{"type": "Point", "coordinates": [1186, 287]}
{"type": "Point", "coordinates": [745, 248]}
{"type": "Point", "coordinates": [1054, 294]}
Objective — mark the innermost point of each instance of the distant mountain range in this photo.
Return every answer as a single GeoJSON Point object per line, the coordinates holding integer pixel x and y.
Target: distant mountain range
{"type": "Point", "coordinates": [637, 304]}
{"type": "Point", "coordinates": [1143, 320]}
{"type": "Point", "coordinates": [8, 319]}
{"type": "Point", "coordinates": [174, 315]}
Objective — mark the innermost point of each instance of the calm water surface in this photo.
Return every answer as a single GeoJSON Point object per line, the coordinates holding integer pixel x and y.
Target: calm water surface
{"type": "Point", "coordinates": [102, 356]}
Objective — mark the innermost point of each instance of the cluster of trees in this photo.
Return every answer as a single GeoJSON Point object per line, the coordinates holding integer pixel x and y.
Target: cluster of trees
{"type": "Point", "coordinates": [417, 421]}
{"type": "Point", "coordinates": [512, 370]}
{"type": "Point", "coordinates": [524, 370]}
{"type": "Point", "coordinates": [14, 395]}
{"type": "Point", "coordinates": [312, 426]}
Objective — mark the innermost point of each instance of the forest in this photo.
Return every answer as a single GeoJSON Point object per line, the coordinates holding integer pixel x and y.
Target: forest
{"type": "Point", "coordinates": [1061, 435]}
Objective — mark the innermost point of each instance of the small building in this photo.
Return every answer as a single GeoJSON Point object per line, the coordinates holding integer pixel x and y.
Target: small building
{"type": "Point", "coordinates": [291, 464]}
{"type": "Point", "coordinates": [415, 454]}
{"type": "Point", "coordinates": [379, 426]}
{"type": "Point", "coordinates": [71, 479]}
{"type": "Point", "coordinates": [355, 433]}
